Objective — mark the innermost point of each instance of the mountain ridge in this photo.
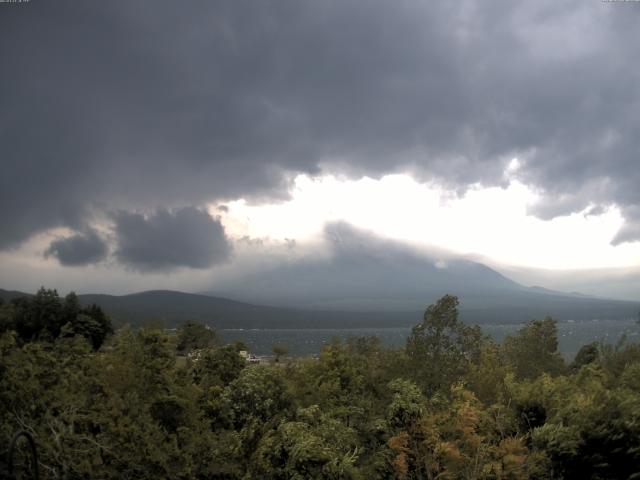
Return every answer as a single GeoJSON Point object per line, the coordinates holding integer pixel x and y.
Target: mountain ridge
{"type": "Point", "coordinates": [170, 308]}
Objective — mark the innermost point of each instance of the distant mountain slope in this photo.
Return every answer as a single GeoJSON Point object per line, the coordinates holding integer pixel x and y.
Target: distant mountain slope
{"type": "Point", "coordinates": [172, 308]}
{"type": "Point", "coordinates": [365, 281]}
{"type": "Point", "coordinates": [367, 273]}
{"type": "Point", "coordinates": [621, 283]}
{"type": "Point", "coordinates": [362, 281]}
{"type": "Point", "coordinates": [7, 295]}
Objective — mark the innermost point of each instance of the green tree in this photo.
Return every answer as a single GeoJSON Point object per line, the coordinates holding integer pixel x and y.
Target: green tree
{"type": "Point", "coordinates": [86, 327]}
{"type": "Point", "coordinates": [591, 428]}
{"type": "Point", "coordinates": [486, 376]}
{"type": "Point", "coordinates": [280, 351]}
{"type": "Point", "coordinates": [39, 317]}
{"type": "Point", "coordinates": [534, 349]}
{"type": "Point", "coordinates": [90, 323]}
{"type": "Point", "coordinates": [338, 383]}
{"type": "Point", "coordinates": [441, 348]}
{"type": "Point", "coordinates": [407, 405]}
{"type": "Point", "coordinates": [45, 317]}
{"type": "Point", "coordinates": [615, 358]}
{"type": "Point", "coordinates": [195, 335]}
{"type": "Point", "coordinates": [217, 366]}
{"type": "Point", "coordinates": [70, 308]}
{"type": "Point", "coordinates": [96, 312]}
{"type": "Point", "coordinates": [313, 445]}
{"type": "Point", "coordinates": [259, 393]}
{"type": "Point", "coordinates": [587, 354]}
{"type": "Point", "coordinates": [7, 316]}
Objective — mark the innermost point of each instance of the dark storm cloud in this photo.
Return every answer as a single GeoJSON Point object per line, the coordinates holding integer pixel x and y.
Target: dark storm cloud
{"type": "Point", "coordinates": [78, 249]}
{"type": "Point", "coordinates": [165, 239]}
{"type": "Point", "coordinates": [131, 105]}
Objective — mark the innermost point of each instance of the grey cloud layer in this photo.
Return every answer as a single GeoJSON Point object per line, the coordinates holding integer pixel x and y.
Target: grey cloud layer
{"type": "Point", "coordinates": [132, 105]}
{"type": "Point", "coordinates": [78, 249]}
{"type": "Point", "coordinates": [165, 240]}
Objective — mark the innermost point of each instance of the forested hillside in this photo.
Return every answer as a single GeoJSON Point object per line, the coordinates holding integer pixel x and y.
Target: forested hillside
{"type": "Point", "coordinates": [451, 404]}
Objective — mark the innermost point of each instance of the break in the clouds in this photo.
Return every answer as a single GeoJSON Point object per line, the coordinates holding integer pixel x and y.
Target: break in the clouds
{"type": "Point", "coordinates": [165, 239]}
{"type": "Point", "coordinates": [78, 249]}
{"type": "Point", "coordinates": [120, 105]}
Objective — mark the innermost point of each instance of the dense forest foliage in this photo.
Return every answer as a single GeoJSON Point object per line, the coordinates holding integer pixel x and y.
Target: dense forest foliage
{"type": "Point", "coordinates": [452, 404]}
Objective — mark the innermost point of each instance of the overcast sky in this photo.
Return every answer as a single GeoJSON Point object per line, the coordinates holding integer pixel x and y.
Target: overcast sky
{"type": "Point", "coordinates": [163, 143]}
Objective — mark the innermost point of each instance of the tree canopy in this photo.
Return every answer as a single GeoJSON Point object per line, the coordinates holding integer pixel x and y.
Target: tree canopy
{"type": "Point", "coordinates": [195, 335]}
{"type": "Point", "coordinates": [451, 405]}
{"type": "Point", "coordinates": [45, 316]}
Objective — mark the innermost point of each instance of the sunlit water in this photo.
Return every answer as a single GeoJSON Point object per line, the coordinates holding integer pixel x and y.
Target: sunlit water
{"type": "Point", "coordinates": [571, 336]}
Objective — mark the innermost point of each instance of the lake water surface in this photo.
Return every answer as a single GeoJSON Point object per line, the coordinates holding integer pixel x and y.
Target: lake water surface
{"type": "Point", "coordinates": [571, 335]}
